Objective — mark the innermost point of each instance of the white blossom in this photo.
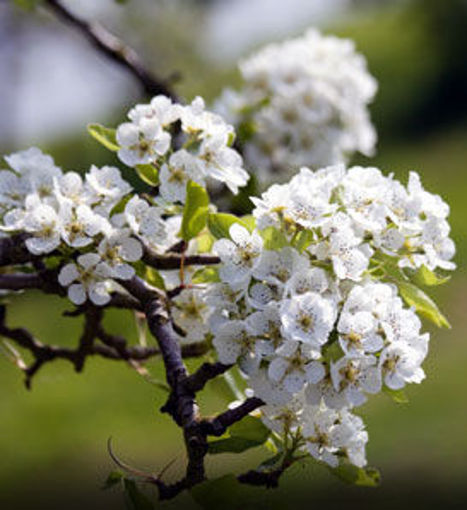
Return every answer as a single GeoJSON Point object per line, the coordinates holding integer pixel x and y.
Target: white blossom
{"type": "Point", "coordinates": [85, 279]}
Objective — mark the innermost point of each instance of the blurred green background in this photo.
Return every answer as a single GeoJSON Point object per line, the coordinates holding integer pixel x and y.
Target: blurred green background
{"type": "Point", "coordinates": [53, 438]}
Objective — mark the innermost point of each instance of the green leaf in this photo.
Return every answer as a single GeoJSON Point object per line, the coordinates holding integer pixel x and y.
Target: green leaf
{"type": "Point", "coordinates": [154, 278]}
{"type": "Point", "coordinates": [303, 239]}
{"type": "Point", "coordinates": [273, 239]}
{"type": "Point", "coordinates": [424, 276]}
{"type": "Point", "coordinates": [390, 267]}
{"type": "Point", "coordinates": [105, 136]}
{"type": "Point", "coordinates": [206, 275]}
{"type": "Point", "coordinates": [204, 241]}
{"type": "Point", "coordinates": [148, 174]}
{"type": "Point", "coordinates": [119, 207]}
{"type": "Point", "coordinates": [195, 212]}
{"type": "Point", "coordinates": [219, 224]}
{"type": "Point", "coordinates": [243, 435]}
{"type": "Point", "coordinates": [397, 396]}
{"type": "Point", "coordinates": [114, 478]}
{"type": "Point", "coordinates": [250, 221]}
{"type": "Point", "coordinates": [134, 498]}
{"type": "Point", "coordinates": [272, 463]}
{"type": "Point", "coordinates": [226, 493]}
{"type": "Point", "coordinates": [423, 304]}
{"type": "Point", "coordinates": [366, 477]}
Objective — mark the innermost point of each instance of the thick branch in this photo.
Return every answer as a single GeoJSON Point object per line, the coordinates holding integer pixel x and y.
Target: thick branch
{"type": "Point", "coordinates": [110, 46]}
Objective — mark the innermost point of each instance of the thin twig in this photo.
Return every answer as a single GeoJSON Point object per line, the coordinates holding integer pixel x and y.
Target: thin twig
{"type": "Point", "coordinates": [219, 425]}
{"type": "Point", "coordinates": [114, 49]}
{"type": "Point", "coordinates": [174, 260]}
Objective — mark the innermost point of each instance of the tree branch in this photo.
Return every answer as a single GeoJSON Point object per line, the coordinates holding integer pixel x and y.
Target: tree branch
{"type": "Point", "coordinates": [174, 260]}
{"type": "Point", "coordinates": [219, 425]}
{"type": "Point", "coordinates": [207, 371]}
{"type": "Point", "coordinates": [14, 251]}
{"type": "Point", "coordinates": [114, 49]}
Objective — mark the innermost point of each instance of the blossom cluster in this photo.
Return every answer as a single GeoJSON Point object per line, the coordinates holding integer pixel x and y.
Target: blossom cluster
{"type": "Point", "coordinates": [307, 297]}
{"type": "Point", "coordinates": [306, 306]}
{"type": "Point", "coordinates": [303, 102]}
{"type": "Point", "coordinates": [62, 213]}
{"type": "Point", "coordinates": [184, 143]}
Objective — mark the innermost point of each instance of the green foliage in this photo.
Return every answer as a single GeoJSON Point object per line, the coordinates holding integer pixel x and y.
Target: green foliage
{"type": "Point", "coordinates": [397, 396]}
{"type": "Point", "coordinates": [366, 477]}
{"type": "Point", "coordinates": [134, 498]}
{"type": "Point", "coordinates": [303, 239]}
{"type": "Point", "coordinates": [426, 277]}
{"type": "Point", "coordinates": [273, 239]}
{"type": "Point", "coordinates": [148, 174]}
{"type": "Point", "coordinates": [105, 136]}
{"type": "Point", "coordinates": [413, 295]}
{"type": "Point", "coordinates": [204, 241]}
{"type": "Point", "coordinates": [206, 275]}
{"type": "Point", "coordinates": [114, 478]}
{"type": "Point", "coordinates": [226, 493]}
{"type": "Point", "coordinates": [120, 206]}
{"type": "Point", "coordinates": [153, 277]}
{"type": "Point", "coordinates": [219, 224]}
{"type": "Point", "coordinates": [422, 303]}
{"type": "Point", "coordinates": [243, 435]}
{"type": "Point", "coordinates": [195, 212]}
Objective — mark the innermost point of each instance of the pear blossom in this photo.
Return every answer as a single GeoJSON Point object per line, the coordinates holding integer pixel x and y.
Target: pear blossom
{"type": "Point", "coordinates": [143, 142]}
{"type": "Point", "coordinates": [86, 279]}
{"type": "Point", "coordinates": [240, 255]}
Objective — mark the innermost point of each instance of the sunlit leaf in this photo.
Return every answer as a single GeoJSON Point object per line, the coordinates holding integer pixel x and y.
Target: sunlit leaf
{"type": "Point", "coordinates": [367, 476]}
{"type": "Point", "coordinates": [105, 136]}
{"type": "Point", "coordinates": [422, 303]}
{"type": "Point", "coordinates": [219, 224]}
{"type": "Point", "coordinates": [397, 396]}
{"type": "Point", "coordinates": [148, 174]}
{"type": "Point", "coordinates": [247, 433]}
{"type": "Point", "coordinates": [195, 212]}
{"type": "Point", "coordinates": [273, 239]}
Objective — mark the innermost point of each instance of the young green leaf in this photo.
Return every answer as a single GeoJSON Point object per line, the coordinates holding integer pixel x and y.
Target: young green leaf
{"type": "Point", "coordinates": [397, 396]}
{"type": "Point", "coordinates": [247, 433]}
{"type": "Point", "coordinates": [105, 136]}
{"type": "Point", "coordinates": [204, 241]}
{"type": "Point", "coordinates": [206, 275]}
{"type": "Point", "coordinates": [148, 174]}
{"type": "Point", "coordinates": [366, 477]}
{"type": "Point", "coordinates": [114, 478]}
{"type": "Point", "coordinates": [423, 304]}
{"type": "Point", "coordinates": [195, 212]}
{"type": "Point", "coordinates": [226, 493]}
{"type": "Point", "coordinates": [119, 207]}
{"type": "Point", "coordinates": [134, 498]}
{"type": "Point", "coordinates": [427, 277]}
{"type": "Point", "coordinates": [273, 239]}
{"type": "Point", "coordinates": [303, 239]}
{"type": "Point", "coordinates": [154, 278]}
{"type": "Point", "coordinates": [219, 224]}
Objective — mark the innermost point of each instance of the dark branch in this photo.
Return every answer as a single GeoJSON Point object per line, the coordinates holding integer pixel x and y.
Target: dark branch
{"type": "Point", "coordinates": [14, 251]}
{"type": "Point", "coordinates": [207, 371]}
{"type": "Point", "coordinates": [219, 425]}
{"type": "Point", "coordinates": [174, 260]}
{"type": "Point", "coordinates": [20, 281]}
{"type": "Point", "coordinates": [110, 46]}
